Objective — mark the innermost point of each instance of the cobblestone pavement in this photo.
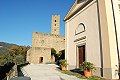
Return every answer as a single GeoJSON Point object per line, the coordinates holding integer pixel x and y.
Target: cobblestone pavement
{"type": "Point", "coordinates": [45, 72]}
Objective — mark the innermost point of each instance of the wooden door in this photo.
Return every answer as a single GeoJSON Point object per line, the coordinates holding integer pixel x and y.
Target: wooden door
{"type": "Point", "coordinates": [81, 54]}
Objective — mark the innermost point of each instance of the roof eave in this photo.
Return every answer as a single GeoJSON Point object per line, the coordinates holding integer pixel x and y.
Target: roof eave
{"type": "Point", "coordinates": [68, 16]}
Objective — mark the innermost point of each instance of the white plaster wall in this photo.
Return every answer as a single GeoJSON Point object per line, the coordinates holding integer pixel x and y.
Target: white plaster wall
{"type": "Point", "coordinates": [66, 42]}
{"type": "Point", "coordinates": [70, 45]}
{"type": "Point", "coordinates": [116, 4]}
{"type": "Point", "coordinates": [88, 16]}
{"type": "Point", "coordinates": [112, 35]}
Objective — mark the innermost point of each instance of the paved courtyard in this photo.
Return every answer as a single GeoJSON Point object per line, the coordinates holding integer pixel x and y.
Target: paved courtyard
{"type": "Point", "coordinates": [45, 72]}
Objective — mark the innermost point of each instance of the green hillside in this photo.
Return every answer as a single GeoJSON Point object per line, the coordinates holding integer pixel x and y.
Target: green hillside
{"type": "Point", "coordinates": [6, 47]}
{"type": "Point", "coordinates": [12, 53]}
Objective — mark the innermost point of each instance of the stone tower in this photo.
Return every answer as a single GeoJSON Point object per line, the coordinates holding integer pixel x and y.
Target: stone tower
{"type": "Point", "coordinates": [55, 29]}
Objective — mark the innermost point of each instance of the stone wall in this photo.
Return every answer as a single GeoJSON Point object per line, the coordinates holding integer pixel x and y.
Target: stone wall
{"type": "Point", "coordinates": [12, 73]}
{"type": "Point", "coordinates": [42, 43]}
{"type": "Point", "coordinates": [48, 40]}
{"type": "Point", "coordinates": [28, 58]}
{"type": "Point", "coordinates": [35, 53]}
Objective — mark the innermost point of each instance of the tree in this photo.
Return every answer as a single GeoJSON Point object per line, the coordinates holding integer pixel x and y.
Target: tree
{"type": "Point", "coordinates": [19, 59]}
{"type": "Point", "coordinates": [53, 52]}
{"type": "Point", "coordinates": [17, 54]}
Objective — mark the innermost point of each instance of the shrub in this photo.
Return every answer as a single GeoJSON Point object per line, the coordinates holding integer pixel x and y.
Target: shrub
{"type": "Point", "coordinates": [87, 66]}
{"type": "Point", "coordinates": [63, 62]}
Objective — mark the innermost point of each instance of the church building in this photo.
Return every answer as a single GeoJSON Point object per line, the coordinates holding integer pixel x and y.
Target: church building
{"type": "Point", "coordinates": [42, 44]}
{"type": "Point", "coordinates": [92, 33]}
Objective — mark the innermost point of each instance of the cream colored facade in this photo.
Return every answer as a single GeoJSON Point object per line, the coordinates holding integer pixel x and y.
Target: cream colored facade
{"type": "Point", "coordinates": [42, 43]}
{"type": "Point", "coordinates": [92, 25]}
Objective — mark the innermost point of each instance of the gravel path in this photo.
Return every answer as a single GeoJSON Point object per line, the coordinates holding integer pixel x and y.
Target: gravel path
{"type": "Point", "coordinates": [45, 72]}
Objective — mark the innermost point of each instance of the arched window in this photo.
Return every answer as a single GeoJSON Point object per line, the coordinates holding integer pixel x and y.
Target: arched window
{"type": "Point", "coordinates": [80, 28]}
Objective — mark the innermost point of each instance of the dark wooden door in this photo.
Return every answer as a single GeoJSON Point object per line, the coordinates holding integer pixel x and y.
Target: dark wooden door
{"type": "Point", "coordinates": [81, 54]}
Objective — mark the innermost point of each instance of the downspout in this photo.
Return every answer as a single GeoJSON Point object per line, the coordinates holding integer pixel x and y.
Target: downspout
{"type": "Point", "coordinates": [116, 34]}
{"type": "Point", "coordinates": [101, 53]}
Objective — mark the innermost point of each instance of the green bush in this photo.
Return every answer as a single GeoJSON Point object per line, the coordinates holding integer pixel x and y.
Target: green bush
{"type": "Point", "coordinates": [87, 66]}
{"type": "Point", "coordinates": [63, 62]}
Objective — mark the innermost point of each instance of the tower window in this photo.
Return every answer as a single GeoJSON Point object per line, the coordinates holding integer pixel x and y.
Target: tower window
{"type": "Point", "coordinates": [55, 24]}
{"type": "Point", "coordinates": [55, 20]}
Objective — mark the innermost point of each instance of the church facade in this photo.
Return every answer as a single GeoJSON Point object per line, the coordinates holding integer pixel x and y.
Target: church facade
{"type": "Point", "coordinates": [42, 43]}
{"type": "Point", "coordinates": [92, 33]}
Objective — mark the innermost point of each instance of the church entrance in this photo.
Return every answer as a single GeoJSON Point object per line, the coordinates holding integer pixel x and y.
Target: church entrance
{"type": "Point", "coordinates": [40, 60]}
{"type": "Point", "coordinates": [81, 53]}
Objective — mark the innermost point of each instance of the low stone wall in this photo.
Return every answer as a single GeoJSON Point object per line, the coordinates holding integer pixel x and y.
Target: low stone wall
{"type": "Point", "coordinates": [12, 73]}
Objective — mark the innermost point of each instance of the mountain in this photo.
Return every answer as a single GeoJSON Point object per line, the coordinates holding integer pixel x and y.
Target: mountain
{"type": "Point", "coordinates": [5, 47]}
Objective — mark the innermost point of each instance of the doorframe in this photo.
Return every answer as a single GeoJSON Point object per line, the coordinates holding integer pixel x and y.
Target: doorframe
{"type": "Point", "coordinates": [77, 53]}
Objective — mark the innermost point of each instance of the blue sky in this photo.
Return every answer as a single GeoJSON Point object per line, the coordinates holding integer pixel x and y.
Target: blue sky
{"type": "Point", "coordinates": [19, 18]}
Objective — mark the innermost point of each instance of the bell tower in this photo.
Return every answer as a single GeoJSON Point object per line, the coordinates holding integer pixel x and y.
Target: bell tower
{"type": "Point", "coordinates": [55, 29]}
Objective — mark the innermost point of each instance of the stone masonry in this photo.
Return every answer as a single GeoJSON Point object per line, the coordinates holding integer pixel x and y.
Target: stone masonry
{"type": "Point", "coordinates": [42, 43]}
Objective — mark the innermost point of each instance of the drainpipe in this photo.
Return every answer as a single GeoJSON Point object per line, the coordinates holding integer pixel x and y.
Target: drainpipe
{"type": "Point", "coordinates": [116, 34]}
{"type": "Point", "coordinates": [101, 53]}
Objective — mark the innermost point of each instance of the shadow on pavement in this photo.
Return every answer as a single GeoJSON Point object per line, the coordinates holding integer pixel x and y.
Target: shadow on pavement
{"type": "Point", "coordinates": [20, 74]}
{"type": "Point", "coordinates": [77, 70]}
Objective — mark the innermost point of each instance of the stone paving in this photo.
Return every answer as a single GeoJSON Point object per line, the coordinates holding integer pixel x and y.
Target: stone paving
{"type": "Point", "coordinates": [45, 72]}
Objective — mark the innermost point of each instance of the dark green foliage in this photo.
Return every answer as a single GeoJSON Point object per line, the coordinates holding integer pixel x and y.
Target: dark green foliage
{"type": "Point", "coordinates": [87, 66]}
{"type": "Point", "coordinates": [58, 56]}
{"type": "Point", "coordinates": [62, 54]}
{"type": "Point", "coordinates": [53, 52]}
{"type": "Point", "coordinates": [63, 63]}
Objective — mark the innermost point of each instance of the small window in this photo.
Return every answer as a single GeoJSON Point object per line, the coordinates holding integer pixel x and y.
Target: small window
{"type": "Point", "coordinates": [55, 20]}
{"type": "Point", "coordinates": [55, 24]}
